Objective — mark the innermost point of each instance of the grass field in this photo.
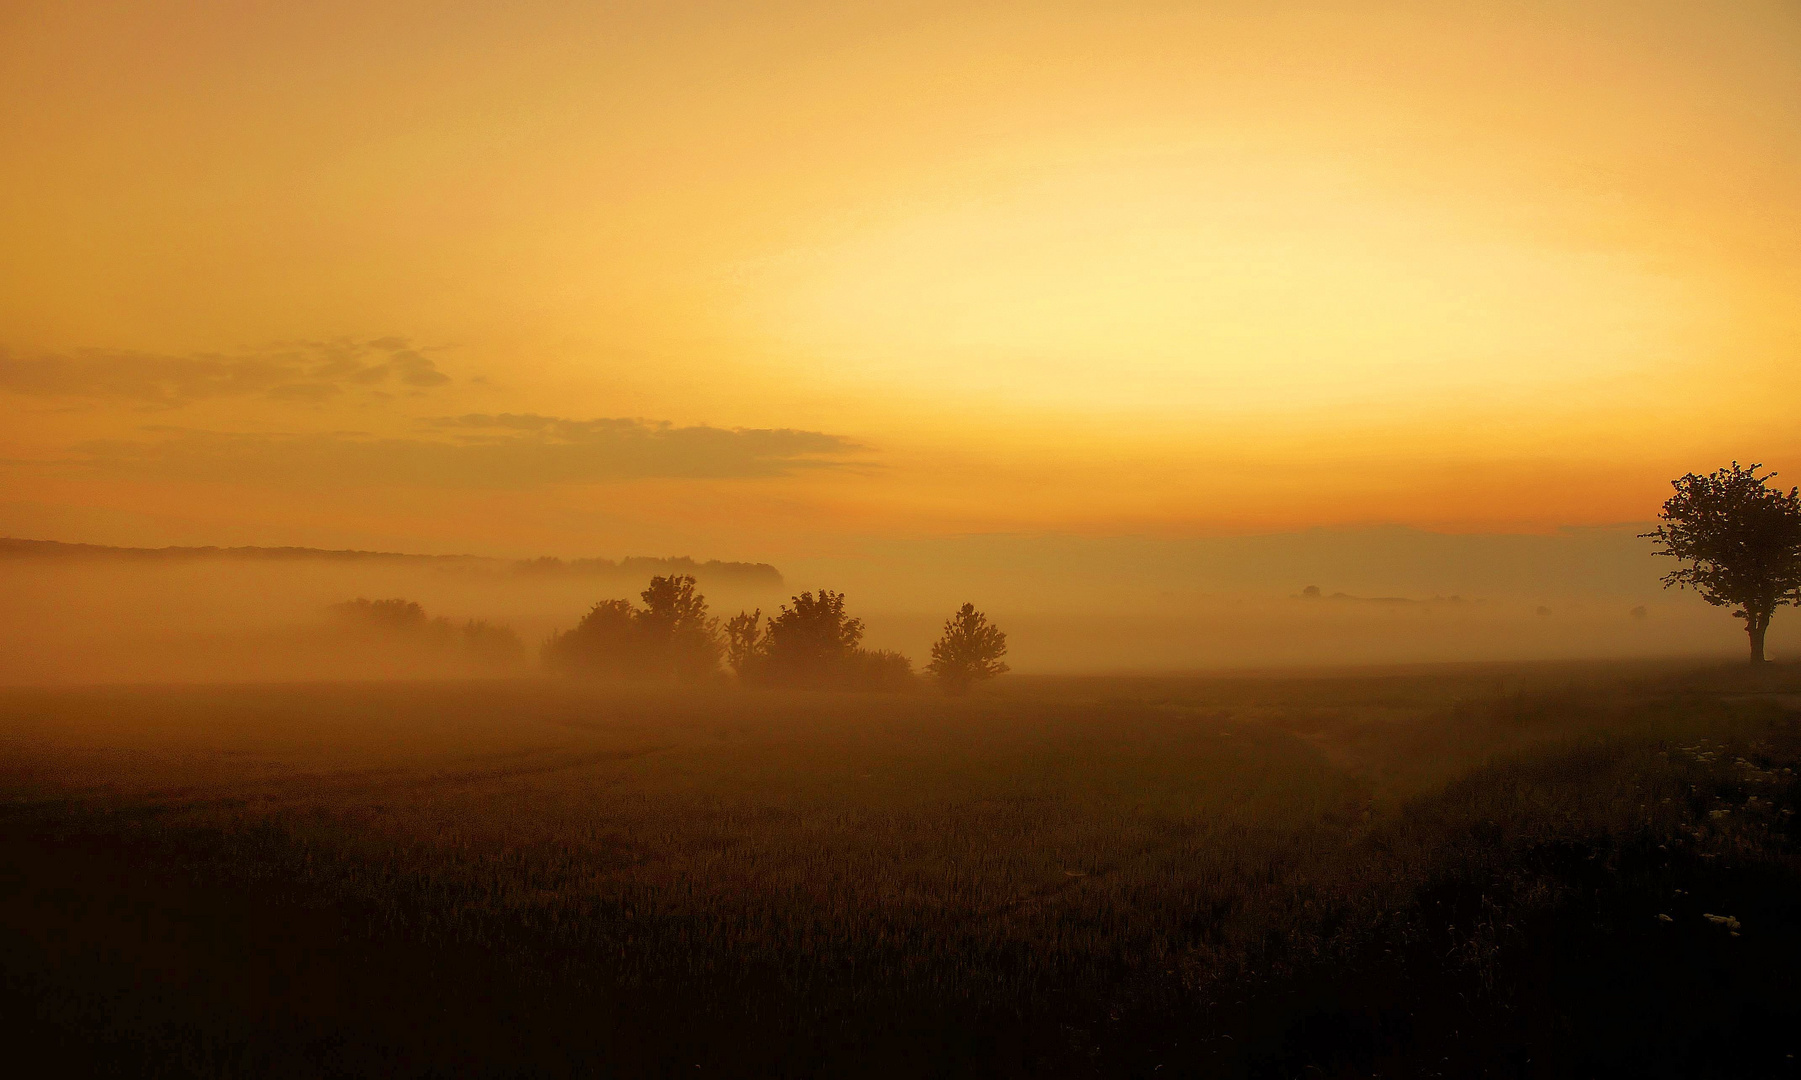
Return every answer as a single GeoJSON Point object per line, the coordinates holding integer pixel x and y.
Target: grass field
{"type": "Point", "coordinates": [1486, 870]}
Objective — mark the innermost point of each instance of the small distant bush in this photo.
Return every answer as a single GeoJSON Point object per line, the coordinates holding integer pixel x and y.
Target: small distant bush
{"type": "Point", "coordinates": [395, 614]}
{"type": "Point", "coordinates": [491, 645]}
{"type": "Point", "coordinates": [478, 641]}
{"type": "Point", "coordinates": [812, 642]}
{"type": "Point", "coordinates": [670, 637]}
{"type": "Point", "coordinates": [881, 669]}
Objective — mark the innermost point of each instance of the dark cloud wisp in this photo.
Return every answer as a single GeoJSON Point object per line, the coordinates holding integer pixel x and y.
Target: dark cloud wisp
{"type": "Point", "coordinates": [501, 452]}
{"type": "Point", "coordinates": [306, 372]}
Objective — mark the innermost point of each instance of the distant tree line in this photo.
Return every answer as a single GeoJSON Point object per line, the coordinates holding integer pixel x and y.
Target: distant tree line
{"type": "Point", "coordinates": [760, 575]}
{"type": "Point", "coordinates": [811, 642]}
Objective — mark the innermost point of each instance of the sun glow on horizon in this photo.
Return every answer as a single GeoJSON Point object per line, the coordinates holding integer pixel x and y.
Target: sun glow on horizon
{"type": "Point", "coordinates": [1162, 269]}
{"type": "Point", "coordinates": [1167, 285]}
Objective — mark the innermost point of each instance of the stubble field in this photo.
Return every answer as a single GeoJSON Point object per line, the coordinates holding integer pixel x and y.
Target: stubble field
{"type": "Point", "coordinates": [1503, 870]}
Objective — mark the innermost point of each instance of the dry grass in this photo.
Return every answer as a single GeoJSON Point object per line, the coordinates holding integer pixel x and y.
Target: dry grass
{"type": "Point", "coordinates": [1121, 861]}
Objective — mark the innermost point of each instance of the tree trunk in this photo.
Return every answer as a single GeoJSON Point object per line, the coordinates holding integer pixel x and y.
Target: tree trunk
{"type": "Point", "coordinates": [1755, 626]}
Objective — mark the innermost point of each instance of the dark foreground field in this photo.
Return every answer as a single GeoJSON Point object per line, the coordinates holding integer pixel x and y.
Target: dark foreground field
{"type": "Point", "coordinates": [1480, 871]}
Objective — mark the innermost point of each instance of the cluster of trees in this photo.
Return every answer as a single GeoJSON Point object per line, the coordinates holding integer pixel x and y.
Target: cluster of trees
{"type": "Point", "coordinates": [1739, 540]}
{"type": "Point", "coordinates": [670, 637]}
{"type": "Point", "coordinates": [811, 641]}
{"type": "Point", "coordinates": [478, 640]}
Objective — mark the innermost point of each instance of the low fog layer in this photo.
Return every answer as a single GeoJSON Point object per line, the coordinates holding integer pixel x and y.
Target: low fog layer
{"type": "Point", "coordinates": [250, 614]}
{"type": "Point", "coordinates": [1384, 595]}
{"type": "Point", "coordinates": [1317, 598]}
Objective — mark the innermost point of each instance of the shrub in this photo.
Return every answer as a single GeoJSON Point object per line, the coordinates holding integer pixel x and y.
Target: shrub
{"type": "Point", "coordinates": [491, 645]}
{"type": "Point", "coordinates": [880, 669]}
{"type": "Point", "coordinates": [479, 642]}
{"type": "Point", "coordinates": [394, 614]}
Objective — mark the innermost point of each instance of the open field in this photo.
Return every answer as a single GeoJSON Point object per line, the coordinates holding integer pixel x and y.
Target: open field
{"type": "Point", "coordinates": [1502, 870]}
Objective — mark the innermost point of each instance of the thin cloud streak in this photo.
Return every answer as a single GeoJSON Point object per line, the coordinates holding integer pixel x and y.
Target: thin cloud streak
{"type": "Point", "coordinates": [303, 372]}
{"type": "Point", "coordinates": [491, 452]}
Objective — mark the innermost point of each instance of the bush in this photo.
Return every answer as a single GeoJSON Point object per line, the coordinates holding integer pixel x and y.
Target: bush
{"type": "Point", "coordinates": [479, 642]}
{"type": "Point", "coordinates": [395, 614]}
{"type": "Point", "coordinates": [880, 669]}
{"type": "Point", "coordinates": [490, 645]}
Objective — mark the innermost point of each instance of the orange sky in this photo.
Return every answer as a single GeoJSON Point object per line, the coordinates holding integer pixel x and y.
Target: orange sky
{"type": "Point", "coordinates": [747, 279]}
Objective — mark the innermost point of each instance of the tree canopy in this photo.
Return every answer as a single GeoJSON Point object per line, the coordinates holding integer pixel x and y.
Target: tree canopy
{"type": "Point", "coordinates": [1740, 540]}
{"type": "Point", "coordinates": [812, 641]}
{"type": "Point", "coordinates": [671, 636]}
{"type": "Point", "coordinates": [812, 635]}
{"type": "Point", "coordinates": [675, 631]}
{"type": "Point", "coordinates": [970, 650]}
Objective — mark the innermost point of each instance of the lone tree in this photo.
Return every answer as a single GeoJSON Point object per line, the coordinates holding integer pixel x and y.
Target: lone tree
{"type": "Point", "coordinates": [971, 649]}
{"type": "Point", "coordinates": [1741, 540]}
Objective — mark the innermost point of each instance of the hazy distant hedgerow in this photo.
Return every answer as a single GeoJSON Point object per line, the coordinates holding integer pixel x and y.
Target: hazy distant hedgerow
{"type": "Point", "coordinates": [394, 614]}
{"type": "Point", "coordinates": [970, 650]}
{"type": "Point", "coordinates": [670, 637]}
{"type": "Point", "coordinates": [812, 642]}
{"type": "Point", "coordinates": [486, 644]}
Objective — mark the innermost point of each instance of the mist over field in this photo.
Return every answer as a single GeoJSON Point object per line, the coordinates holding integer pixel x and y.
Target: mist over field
{"type": "Point", "coordinates": [78, 614]}
{"type": "Point", "coordinates": [1385, 595]}
{"type": "Point", "coordinates": [899, 539]}
{"type": "Point", "coordinates": [1072, 605]}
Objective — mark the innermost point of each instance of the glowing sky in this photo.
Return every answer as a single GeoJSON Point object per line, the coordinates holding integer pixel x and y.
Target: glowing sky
{"type": "Point", "coordinates": [739, 279]}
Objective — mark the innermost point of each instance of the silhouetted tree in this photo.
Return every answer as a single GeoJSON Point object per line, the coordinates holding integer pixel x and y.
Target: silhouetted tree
{"type": "Point", "coordinates": [741, 640]}
{"type": "Point", "coordinates": [1741, 540]}
{"type": "Point", "coordinates": [970, 650]}
{"type": "Point", "coordinates": [674, 630]}
{"type": "Point", "coordinates": [603, 643]}
{"type": "Point", "coordinates": [670, 637]}
{"type": "Point", "coordinates": [812, 642]}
